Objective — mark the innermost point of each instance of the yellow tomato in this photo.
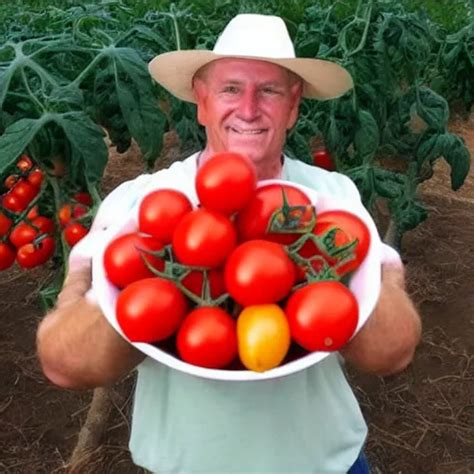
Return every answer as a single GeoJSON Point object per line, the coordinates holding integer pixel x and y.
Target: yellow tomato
{"type": "Point", "coordinates": [263, 336]}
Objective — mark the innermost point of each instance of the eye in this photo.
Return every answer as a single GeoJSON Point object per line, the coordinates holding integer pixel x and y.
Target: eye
{"type": "Point", "coordinates": [270, 91]}
{"type": "Point", "coordinates": [230, 89]}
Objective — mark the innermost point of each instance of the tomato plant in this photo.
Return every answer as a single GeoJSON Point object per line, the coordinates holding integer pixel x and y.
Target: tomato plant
{"type": "Point", "coordinates": [150, 310]}
{"type": "Point", "coordinates": [204, 238]}
{"type": "Point", "coordinates": [322, 315]}
{"type": "Point", "coordinates": [226, 182]}
{"type": "Point", "coordinates": [259, 272]}
{"type": "Point", "coordinates": [253, 221]}
{"type": "Point", "coordinates": [123, 258]}
{"type": "Point", "coordinates": [160, 212]}
{"type": "Point", "coordinates": [207, 338]}
{"type": "Point", "coordinates": [263, 336]}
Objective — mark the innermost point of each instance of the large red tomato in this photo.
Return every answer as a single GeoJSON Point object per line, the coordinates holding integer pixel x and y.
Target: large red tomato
{"type": "Point", "coordinates": [226, 182]}
{"type": "Point", "coordinates": [351, 228]}
{"type": "Point", "coordinates": [252, 222]}
{"type": "Point", "coordinates": [207, 338]}
{"type": "Point", "coordinates": [123, 260]}
{"type": "Point", "coordinates": [259, 272]}
{"type": "Point", "coordinates": [150, 310]}
{"type": "Point", "coordinates": [322, 315]}
{"type": "Point", "coordinates": [160, 211]}
{"type": "Point", "coordinates": [195, 279]}
{"type": "Point", "coordinates": [204, 238]}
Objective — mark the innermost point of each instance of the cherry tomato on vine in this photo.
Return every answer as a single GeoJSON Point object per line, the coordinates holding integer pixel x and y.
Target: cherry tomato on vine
{"type": "Point", "coordinates": [252, 222]}
{"type": "Point", "coordinates": [24, 233]}
{"type": "Point", "coordinates": [259, 272]}
{"type": "Point", "coordinates": [150, 310]}
{"type": "Point", "coordinates": [226, 182]}
{"type": "Point", "coordinates": [263, 336]}
{"type": "Point", "coordinates": [204, 238]}
{"type": "Point", "coordinates": [195, 279]}
{"type": "Point", "coordinates": [32, 255]}
{"type": "Point", "coordinates": [323, 159]}
{"type": "Point", "coordinates": [14, 203]}
{"type": "Point", "coordinates": [5, 224]}
{"type": "Point", "coordinates": [83, 198]}
{"type": "Point", "coordinates": [161, 211]}
{"type": "Point", "coordinates": [207, 338]}
{"type": "Point", "coordinates": [123, 262]}
{"type": "Point", "coordinates": [7, 256]}
{"type": "Point", "coordinates": [323, 315]}
{"type": "Point", "coordinates": [24, 163]}
{"type": "Point", "coordinates": [24, 190]}
{"type": "Point", "coordinates": [74, 232]}
{"type": "Point", "coordinates": [11, 180]}
{"type": "Point", "coordinates": [33, 212]}
{"type": "Point", "coordinates": [35, 177]}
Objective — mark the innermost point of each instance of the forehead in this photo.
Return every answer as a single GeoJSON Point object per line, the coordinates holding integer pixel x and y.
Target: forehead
{"type": "Point", "coordinates": [244, 69]}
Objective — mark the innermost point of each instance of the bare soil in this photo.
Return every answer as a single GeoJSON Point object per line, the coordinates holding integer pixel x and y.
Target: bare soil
{"type": "Point", "coordinates": [421, 421]}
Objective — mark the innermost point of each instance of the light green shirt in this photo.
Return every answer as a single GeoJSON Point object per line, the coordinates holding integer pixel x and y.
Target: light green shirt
{"type": "Point", "coordinates": [307, 422]}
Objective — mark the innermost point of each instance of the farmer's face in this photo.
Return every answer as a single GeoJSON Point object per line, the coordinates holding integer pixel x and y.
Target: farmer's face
{"type": "Point", "coordinates": [247, 106]}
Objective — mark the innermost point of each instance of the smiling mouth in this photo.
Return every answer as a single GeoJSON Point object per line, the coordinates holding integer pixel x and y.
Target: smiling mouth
{"type": "Point", "coordinates": [252, 131]}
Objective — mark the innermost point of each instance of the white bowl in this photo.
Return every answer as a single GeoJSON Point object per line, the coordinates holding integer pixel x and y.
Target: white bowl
{"type": "Point", "coordinates": [364, 283]}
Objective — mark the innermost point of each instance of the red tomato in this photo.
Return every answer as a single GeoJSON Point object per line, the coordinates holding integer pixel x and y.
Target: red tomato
{"type": "Point", "coordinates": [83, 198]}
{"type": "Point", "coordinates": [252, 222]}
{"type": "Point", "coordinates": [7, 256]}
{"type": "Point", "coordinates": [79, 210]}
{"type": "Point", "coordinates": [24, 163]}
{"type": "Point", "coordinates": [195, 279]}
{"type": "Point", "coordinates": [11, 180]}
{"type": "Point", "coordinates": [35, 177]}
{"type": "Point", "coordinates": [160, 211]}
{"type": "Point", "coordinates": [150, 310]}
{"type": "Point", "coordinates": [5, 224]}
{"type": "Point", "coordinates": [123, 262]}
{"type": "Point", "coordinates": [24, 233]}
{"type": "Point", "coordinates": [33, 213]}
{"type": "Point", "coordinates": [207, 338]}
{"type": "Point", "coordinates": [226, 182]}
{"type": "Point", "coordinates": [322, 315]}
{"type": "Point", "coordinates": [14, 203]}
{"type": "Point", "coordinates": [352, 228]}
{"type": "Point", "coordinates": [24, 190]}
{"type": "Point", "coordinates": [32, 255]}
{"type": "Point", "coordinates": [323, 159]}
{"type": "Point", "coordinates": [64, 214]}
{"type": "Point", "coordinates": [204, 238]}
{"type": "Point", "coordinates": [259, 272]}
{"type": "Point", "coordinates": [74, 232]}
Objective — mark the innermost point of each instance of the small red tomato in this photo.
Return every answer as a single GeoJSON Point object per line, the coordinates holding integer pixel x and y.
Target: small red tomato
{"type": "Point", "coordinates": [5, 224]}
{"type": "Point", "coordinates": [160, 211]}
{"type": "Point", "coordinates": [24, 190]}
{"type": "Point", "coordinates": [74, 232]}
{"type": "Point", "coordinates": [83, 198]}
{"type": "Point", "coordinates": [226, 182]}
{"type": "Point", "coordinates": [22, 234]}
{"type": "Point", "coordinates": [24, 163]}
{"type": "Point", "coordinates": [14, 203]}
{"type": "Point", "coordinates": [150, 310]}
{"type": "Point", "coordinates": [323, 159]}
{"type": "Point", "coordinates": [7, 256]}
{"type": "Point", "coordinates": [11, 180]}
{"type": "Point", "coordinates": [204, 238]}
{"type": "Point", "coordinates": [33, 212]}
{"type": "Point", "coordinates": [195, 279]}
{"type": "Point", "coordinates": [259, 272]}
{"type": "Point", "coordinates": [207, 338]}
{"type": "Point", "coordinates": [323, 315]}
{"type": "Point", "coordinates": [35, 177]}
{"type": "Point", "coordinates": [64, 214]}
{"type": "Point", "coordinates": [79, 210]}
{"type": "Point", "coordinates": [123, 260]}
{"type": "Point", "coordinates": [32, 255]}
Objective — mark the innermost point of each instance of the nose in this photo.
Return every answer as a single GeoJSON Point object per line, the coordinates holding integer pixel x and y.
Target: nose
{"type": "Point", "coordinates": [248, 106]}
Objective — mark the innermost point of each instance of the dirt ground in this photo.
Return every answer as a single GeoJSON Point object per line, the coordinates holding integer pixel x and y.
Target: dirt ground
{"type": "Point", "coordinates": [421, 421]}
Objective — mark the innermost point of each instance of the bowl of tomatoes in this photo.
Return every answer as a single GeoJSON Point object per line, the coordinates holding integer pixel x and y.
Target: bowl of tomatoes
{"type": "Point", "coordinates": [238, 280]}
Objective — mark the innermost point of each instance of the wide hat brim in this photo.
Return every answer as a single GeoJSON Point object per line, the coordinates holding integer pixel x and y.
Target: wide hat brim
{"type": "Point", "coordinates": [321, 79]}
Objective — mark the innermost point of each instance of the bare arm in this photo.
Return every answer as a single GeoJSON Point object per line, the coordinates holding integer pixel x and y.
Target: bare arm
{"type": "Point", "coordinates": [77, 347]}
{"type": "Point", "coordinates": [386, 344]}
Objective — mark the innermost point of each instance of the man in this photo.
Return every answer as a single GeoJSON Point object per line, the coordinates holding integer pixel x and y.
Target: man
{"type": "Point", "coordinates": [247, 98]}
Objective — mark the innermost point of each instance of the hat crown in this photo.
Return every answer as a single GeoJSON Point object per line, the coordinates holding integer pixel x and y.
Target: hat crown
{"type": "Point", "coordinates": [255, 35]}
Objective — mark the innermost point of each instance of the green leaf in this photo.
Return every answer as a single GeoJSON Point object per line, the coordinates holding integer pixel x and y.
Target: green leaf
{"type": "Point", "coordinates": [459, 159]}
{"type": "Point", "coordinates": [366, 139]}
{"type": "Point", "coordinates": [16, 138]}
{"type": "Point", "coordinates": [432, 108]}
{"type": "Point", "coordinates": [88, 150]}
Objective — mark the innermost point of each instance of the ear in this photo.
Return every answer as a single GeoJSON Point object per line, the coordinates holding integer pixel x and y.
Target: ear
{"type": "Point", "coordinates": [200, 95]}
{"type": "Point", "coordinates": [295, 93]}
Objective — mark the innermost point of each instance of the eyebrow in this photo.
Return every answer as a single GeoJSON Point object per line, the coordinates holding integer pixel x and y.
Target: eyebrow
{"type": "Point", "coordinates": [263, 84]}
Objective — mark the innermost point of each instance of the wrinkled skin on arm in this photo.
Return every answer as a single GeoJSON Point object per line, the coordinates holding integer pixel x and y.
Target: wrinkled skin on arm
{"type": "Point", "coordinates": [386, 343]}
{"type": "Point", "coordinates": [77, 347]}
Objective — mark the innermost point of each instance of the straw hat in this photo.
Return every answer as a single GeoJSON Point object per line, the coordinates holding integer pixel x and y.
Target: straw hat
{"type": "Point", "coordinates": [251, 36]}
